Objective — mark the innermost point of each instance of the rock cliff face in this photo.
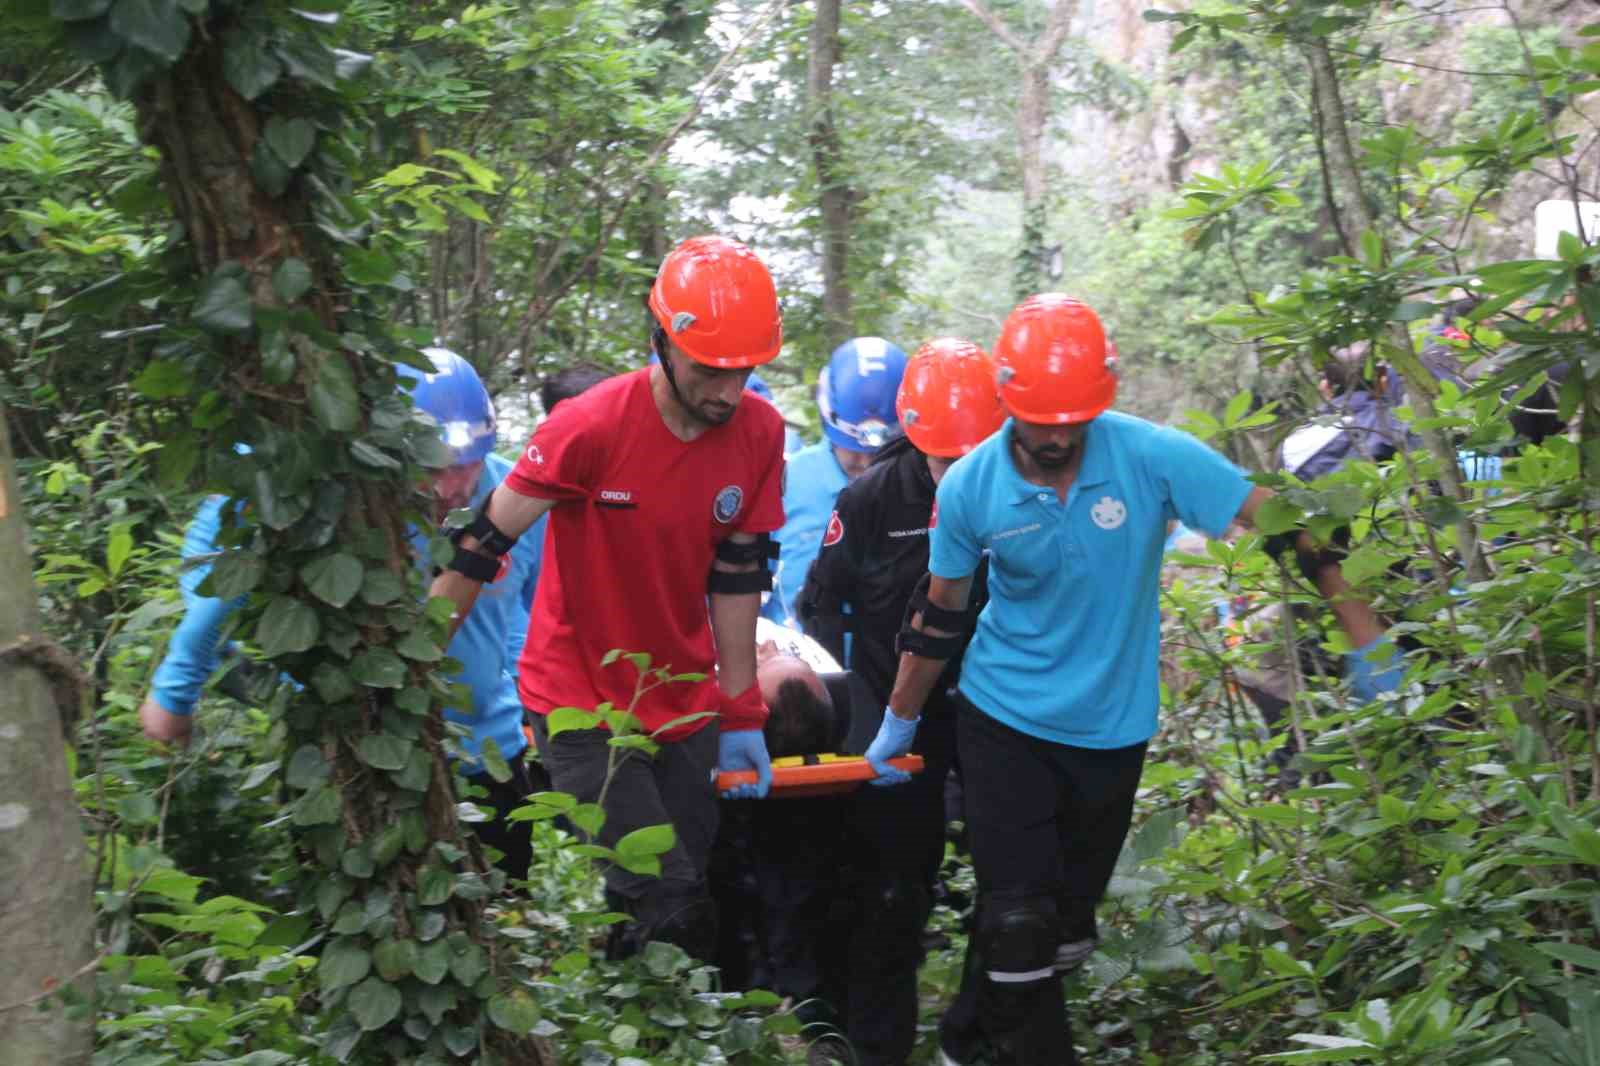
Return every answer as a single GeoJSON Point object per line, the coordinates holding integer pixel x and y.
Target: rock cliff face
{"type": "Point", "coordinates": [1416, 76]}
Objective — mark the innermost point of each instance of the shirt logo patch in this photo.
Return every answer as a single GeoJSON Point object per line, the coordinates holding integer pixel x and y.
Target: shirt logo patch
{"type": "Point", "coordinates": [835, 531]}
{"type": "Point", "coordinates": [725, 508]}
{"type": "Point", "coordinates": [535, 456]}
{"type": "Point", "coordinates": [617, 498]}
{"type": "Point", "coordinates": [1109, 513]}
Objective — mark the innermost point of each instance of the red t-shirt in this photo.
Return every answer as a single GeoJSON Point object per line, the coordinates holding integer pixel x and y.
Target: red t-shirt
{"type": "Point", "coordinates": [630, 542]}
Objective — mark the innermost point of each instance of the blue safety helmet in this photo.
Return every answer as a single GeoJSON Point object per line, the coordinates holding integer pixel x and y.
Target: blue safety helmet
{"type": "Point", "coordinates": [856, 394]}
{"type": "Point", "coordinates": [454, 397]}
{"type": "Point", "coordinates": [761, 389]}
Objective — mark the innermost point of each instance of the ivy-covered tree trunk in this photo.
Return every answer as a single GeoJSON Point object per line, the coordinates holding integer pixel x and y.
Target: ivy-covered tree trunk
{"type": "Point", "coordinates": [259, 126]}
{"type": "Point", "coordinates": [834, 192]}
{"type": "Point", "coordinates": [46, 921]}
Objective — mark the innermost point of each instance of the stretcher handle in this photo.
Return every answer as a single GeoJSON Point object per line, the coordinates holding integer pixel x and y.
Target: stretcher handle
{"type": "Point", "coordinates": [832, 769]}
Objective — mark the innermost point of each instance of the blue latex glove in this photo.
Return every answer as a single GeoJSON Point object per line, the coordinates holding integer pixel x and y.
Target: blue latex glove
{"type": "Point", "coordinates": [745, 750]}
{"type": "Point", "coordinates": [893, 739]}
{"type": "Point", "coordinates": [1374, 668]}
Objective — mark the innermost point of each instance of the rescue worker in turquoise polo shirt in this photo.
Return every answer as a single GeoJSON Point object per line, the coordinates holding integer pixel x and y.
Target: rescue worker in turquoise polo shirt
{"type": "Point", "coordinates": [855, 399]}
{"type": "Point", "coordinates": [1059, 689]}
{"type": "Point", "coordinates": [487, 646]}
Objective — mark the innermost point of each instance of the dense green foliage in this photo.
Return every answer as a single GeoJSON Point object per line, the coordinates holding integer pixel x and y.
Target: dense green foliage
{"type": "Point", "coordinates": [1421, 886]}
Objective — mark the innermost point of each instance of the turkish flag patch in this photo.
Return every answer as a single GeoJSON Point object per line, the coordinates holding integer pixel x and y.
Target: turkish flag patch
{"type": "Point", "coordinates": [835, 531]}
{"type": "Point", "coordinates": [933, 515]}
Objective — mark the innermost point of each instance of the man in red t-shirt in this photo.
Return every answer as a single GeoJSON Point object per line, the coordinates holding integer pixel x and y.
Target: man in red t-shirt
{"type": "Point", "coordinates": [662, 486]}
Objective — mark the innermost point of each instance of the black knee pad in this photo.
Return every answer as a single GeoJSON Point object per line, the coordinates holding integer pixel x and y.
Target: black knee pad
{"type": "Point", "coordinates": [1017, 940]}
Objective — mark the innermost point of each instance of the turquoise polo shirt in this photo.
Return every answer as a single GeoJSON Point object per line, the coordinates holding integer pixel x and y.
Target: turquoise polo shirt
{"type": "Point", "coordinates": [1066, 649]}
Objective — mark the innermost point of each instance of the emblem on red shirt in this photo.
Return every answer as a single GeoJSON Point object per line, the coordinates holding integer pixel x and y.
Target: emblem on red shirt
{"type": "Point", "coordinates": [933, 516]}
{"type": "Point", "coordinates": [835, 531]}
{"type": "Point", "coordinates": [725, 508]}
{"type": "Point", "coordinates": [535, 456]}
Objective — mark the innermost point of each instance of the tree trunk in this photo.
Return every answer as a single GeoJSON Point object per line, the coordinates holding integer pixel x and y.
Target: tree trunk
{"type": "Point", "coordinates": [834, 192]}
{"type": "Point", "coordinates": [1033, 112]}
{"type": "Point", "coordinates": [1033, 122]}
{"type": "Point", "coordinates": [46, 921]}
{"type": "Point", "coordinates": [208, 135]}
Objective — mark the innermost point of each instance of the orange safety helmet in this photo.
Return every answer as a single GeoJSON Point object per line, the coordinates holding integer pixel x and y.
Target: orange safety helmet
{"type": "Point", "coordinates": [947, 401]}
{"type": "Point", "coordinates": [1052, 362]}
{"type": "Point", "coordinates": [715, 299]}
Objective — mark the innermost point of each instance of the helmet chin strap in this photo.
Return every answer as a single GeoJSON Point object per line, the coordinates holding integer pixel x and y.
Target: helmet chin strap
{"type": "Point", "coordinates": [658, 337]}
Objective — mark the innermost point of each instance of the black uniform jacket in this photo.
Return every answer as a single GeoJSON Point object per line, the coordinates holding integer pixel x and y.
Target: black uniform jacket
{"type": "Point", "coordinates": [874, 552]}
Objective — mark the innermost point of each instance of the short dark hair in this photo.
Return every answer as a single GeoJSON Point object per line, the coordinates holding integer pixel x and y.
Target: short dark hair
{"type": "Point", "coordinates": [799, 722]}
{"type": "Point", "coordinates": [568, 382]}
{"type": "Point", "coordinates": [1346, 370]}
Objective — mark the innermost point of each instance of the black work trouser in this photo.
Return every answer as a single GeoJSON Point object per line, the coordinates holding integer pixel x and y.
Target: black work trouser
{"type": "Point", "coordinates": [513, 839]}
{"type": "Point", "coordinates": [1046, 822]}
{"type": "Point", "coordinates": [674, 787]}
{"type": "Point", "coordinates": [825, 899]}
{"type": "Point", "coordinates": [873, 944]}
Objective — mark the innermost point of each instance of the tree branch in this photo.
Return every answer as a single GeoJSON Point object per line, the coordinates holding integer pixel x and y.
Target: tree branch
{"type": "Point", "coordinates": [1055, 30]}
{"type": "Point", "coordinates": [998, 27]}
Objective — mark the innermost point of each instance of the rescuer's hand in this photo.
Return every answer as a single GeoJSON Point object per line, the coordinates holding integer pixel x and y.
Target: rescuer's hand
{"type": "Point", "coordinates": [893, 740]}
{"type": "Point", "coordinates": [745, 749]}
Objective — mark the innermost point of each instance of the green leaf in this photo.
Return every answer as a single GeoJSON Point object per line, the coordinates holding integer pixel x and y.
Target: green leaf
{"type": "Point", "coordinates": [333, 685]}
{"type": "Point", "coordinates": [588, 817]}
{"type": "Point", "coordinates": [118, 548]}
{"type": "Point", "coordinates": [651, 840]}
{"type": "Point", "coordinates": [318, 808]}
{"type": "Point", "coordinates": [418, 646]}
{"type": "Point", "coordinates": [514, 1011]}
{"type": "Point", "coordinates": [248, 67]}
{"type": "Point", "coordinates": [343, 963]}
{"type": "Point", "coordinates": [564, 718]}
{"type": "Point", "coordinates": [138, 809]}
{"type": "Point", "coordinates": [333, 397]}
{"type": "Point", "coordinates": [287, 625]}
{"type": "Point", "coordinates": [493, 762]}
{"type": "Point", "coordinates": [76, 10]}
{"type": "Point", "coordinates": [1237, 408]}
{"type": "Point", "coordinates": [1394, 810]}
{"type": "Point", "coordinates": [1277, 515]}
{"type": "Point", "coordinates": [395, 958]}
{"type": "Point", "coordinates": [157, 26]}
{"type": "Point", "coordinates": [371, 455]}
{"type": "Point", "coordinates": [433, 886]}
{"type": "Point", "coordinates": [163, 379]}
{"type": "Point", "coordinates": [236, 574]}
{"type": "Point", "coordinates": [307, 768]}
{"type": "Point", "coordinates": [381, 586]}
{"type": "Point", "coordinates": [334, 579]}
{"type": "Point", "coordinates": [384, 751]}
{"type": "Point", "coordinates": [223, 305]}
{"type": "Point", "coordinates": [378, 668]}
{"type": "Point", "coordinates": [469, 964]}
{"type": "Point", "coordinates": [374, 1003]}
{"type": "Point", "coordinates": [432, 963]}
{"type": "Point", "coordinates": [1440, 511]}
{"type": "Point", "coordinates": [357, 863]}
{"type": "Point", "coordinates": [268, 170]}
{"type": "Point", "coordinates": [291, 140]}
{"type": "Point", "coordinates": [291, 280]}
{"type": "Point", "coordinates": [1576, 954]}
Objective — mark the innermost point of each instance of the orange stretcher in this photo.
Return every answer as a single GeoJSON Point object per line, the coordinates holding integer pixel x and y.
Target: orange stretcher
{"type": "Point", "coordinates": [820, 775]}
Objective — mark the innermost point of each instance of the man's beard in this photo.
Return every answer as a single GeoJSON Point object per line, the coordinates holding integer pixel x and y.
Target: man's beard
{"type": "Point", "coordinates": [1049, 456]}
{"type": "Point", "coordinates": [700, 413]}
